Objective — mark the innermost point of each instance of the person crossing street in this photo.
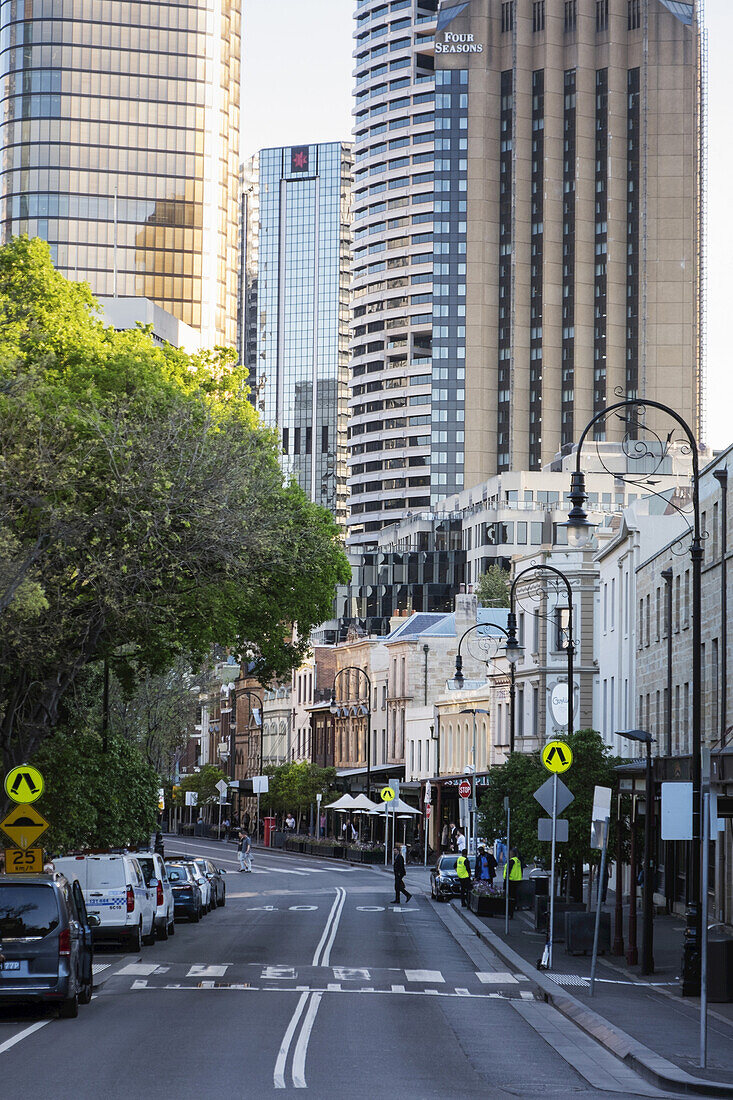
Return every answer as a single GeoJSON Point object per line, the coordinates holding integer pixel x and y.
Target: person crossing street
{"type": "Point", "coordinates": [244, 851]}
{"type": "Point", "coordinates": [463, 870]}
{"type": "Point", "coordinates": [398, 867]}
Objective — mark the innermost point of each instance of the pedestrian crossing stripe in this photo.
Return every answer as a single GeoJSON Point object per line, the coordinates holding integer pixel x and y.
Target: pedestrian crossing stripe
{"type": "Point", "coordinates": [332, 975]}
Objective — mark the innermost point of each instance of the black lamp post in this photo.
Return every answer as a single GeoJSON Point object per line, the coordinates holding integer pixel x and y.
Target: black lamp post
{"type": "Point", "coordinates": [579, 531]}
{"type": "Point", "coordinates": [365, 710]}
{"type": "Point", "coordinates": [647, 939]}
{"type": "Point", "coordinates": [458, 677]}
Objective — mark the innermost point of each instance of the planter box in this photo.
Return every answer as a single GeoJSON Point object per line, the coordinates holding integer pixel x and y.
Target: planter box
{"type": "Point", "coordinates": [372, 857]}
{"type": "Point", "coordinates": [579, 930]}
{"type": "Point", "coordinates": [542, 913]}
{"type": "Point", "coordinates": [339, 852]}
{"type": "Point", "coordinates": [484, 906]}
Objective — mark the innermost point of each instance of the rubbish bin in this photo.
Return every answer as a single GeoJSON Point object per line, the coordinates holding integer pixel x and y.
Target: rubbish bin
{"type": "Point", "coordinates": [720, 969]}
{"type": "Point", "coordinates": [269, 828]}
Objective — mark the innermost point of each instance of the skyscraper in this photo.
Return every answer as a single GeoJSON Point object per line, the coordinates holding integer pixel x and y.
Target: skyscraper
{"type": "Point", "coordinates": [392, 328]}
{"type": "Point", "coordinates": [529, 246]}
{"type": "Point", "coordinates": [120, 137]}
{"type": "Point", "coordinates": [301, 364]}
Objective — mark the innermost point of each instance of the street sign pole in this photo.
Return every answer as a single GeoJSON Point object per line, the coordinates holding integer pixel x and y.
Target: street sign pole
{"type": "Point", "coordinates": [705, 867]}
{"type": "Point", "coordinates": [601, 880]}
{"type": "Point", "coordinates": [473, 798]}
{"type": "Point", "coordinates": [551, 932]}
{"type": "Point", "coordinates": [506, 866]}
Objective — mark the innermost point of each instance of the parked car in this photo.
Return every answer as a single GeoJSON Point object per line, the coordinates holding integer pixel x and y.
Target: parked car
{"type": "Point", "coordinates": [156, 879]}
{"type": "Point", "coordinates": [186, 892]}
{"type": "Point", "coordinates": [215, 875]}
{"type": "Point", "coordinates": [47, 945]}
{"type": "Point", "coordinates": [203, 884]}
{"type": "Point", "coordinates": [114, 890]}
{"type": "Point", "coordinates": [444, 882]}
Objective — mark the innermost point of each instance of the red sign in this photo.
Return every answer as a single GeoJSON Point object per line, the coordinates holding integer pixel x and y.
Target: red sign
{"type": "Point", "coordinates": [428, 808]}
{"type": "Point", "coordinates": [464, 788]}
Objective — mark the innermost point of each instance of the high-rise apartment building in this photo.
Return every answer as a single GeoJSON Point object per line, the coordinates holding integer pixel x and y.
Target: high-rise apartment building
{"type": "Point", "coordinates": [392, 326]}
{"type": "Point", "coordinates": [120, 139]}
{"type": "Point", "coordinates": [563, 209]}
{"type": "Point", "coordinates": [301, 355]}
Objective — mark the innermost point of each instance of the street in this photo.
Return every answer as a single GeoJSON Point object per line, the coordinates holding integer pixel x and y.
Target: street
{"type": "Point", "coordinates": [308, 978]}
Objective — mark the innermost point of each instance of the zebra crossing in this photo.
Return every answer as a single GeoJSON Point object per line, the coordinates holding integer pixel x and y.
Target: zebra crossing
{"type": "Point", "coordinates": [136, 977]}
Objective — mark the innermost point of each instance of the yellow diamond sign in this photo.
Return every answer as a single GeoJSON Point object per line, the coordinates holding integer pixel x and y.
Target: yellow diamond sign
{"type": "Point", "coordinates": [24, 825]}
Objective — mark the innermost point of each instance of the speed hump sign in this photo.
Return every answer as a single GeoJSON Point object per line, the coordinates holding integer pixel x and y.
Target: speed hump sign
{"type": "Point", "coordinates": [387, 794]}
{"type": "Point", "coordinates": [557, 756]}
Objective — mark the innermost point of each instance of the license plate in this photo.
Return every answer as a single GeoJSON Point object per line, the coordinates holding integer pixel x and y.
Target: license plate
{"type": "Point", "coordinates": [14, 965]}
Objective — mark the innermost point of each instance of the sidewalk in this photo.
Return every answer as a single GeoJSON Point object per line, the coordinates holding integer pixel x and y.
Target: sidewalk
{"type": "Point", "coordinates": [643, 1020]}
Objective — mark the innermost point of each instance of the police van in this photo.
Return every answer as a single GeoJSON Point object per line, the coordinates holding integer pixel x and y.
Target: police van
{"type": "Point", "coordinates": [114, 889]}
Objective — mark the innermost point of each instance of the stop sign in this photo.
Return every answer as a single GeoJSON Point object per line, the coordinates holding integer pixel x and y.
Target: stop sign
{"type": "Point", "coordinates": [464, 788]}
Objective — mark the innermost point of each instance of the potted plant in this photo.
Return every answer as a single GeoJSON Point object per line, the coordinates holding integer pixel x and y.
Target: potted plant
{"type": "Point", "coordinates": [487, 899]}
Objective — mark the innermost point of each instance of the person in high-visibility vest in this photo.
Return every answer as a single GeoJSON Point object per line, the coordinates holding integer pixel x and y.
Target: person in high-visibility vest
{"type": "Point", "coordinates": [514, 864]}
{"type": "Point", "coordinates": [463, 870]}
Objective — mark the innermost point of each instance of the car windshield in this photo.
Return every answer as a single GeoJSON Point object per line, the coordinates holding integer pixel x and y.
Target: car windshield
{"type": "Point", "coordinates": [27, 911]}
{"type": "Point", "coordinates": [201, 865]}
{"type": "Point", "coordinates": [447, 863]}
{"type": "Point", "coordinates": [176, 873]}
{"type": "Point", "coordinates": [147, 867]}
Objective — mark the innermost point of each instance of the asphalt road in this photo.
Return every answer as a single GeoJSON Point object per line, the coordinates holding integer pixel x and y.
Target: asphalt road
{"type": "Point", "coordinates": [308, 978]}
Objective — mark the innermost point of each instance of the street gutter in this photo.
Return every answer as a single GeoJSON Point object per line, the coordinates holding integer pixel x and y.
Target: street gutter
{"type": "Point", "coordinates": [647, 1063]}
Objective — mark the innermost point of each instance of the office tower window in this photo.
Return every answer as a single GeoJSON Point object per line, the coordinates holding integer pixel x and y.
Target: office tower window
{"type": "Point", "coordinates": [505, 270]}
{"type": "Point", "coordinates": [633, 255]}
{"type": "Point", "coordinates": [507, 16]}
{"type": "Point", "coordinates": [634, 15]}
{"type": "Point", "coordinates": [571, 14]}
{"type": "Point", "coordinates": [601, 242]}
{"type": "Point", "coordinates": [568, 260]}
{"type": "Point", "coordinates": [601, 15]}
{"type": "Point", "coordinates": [538, 16]}
{"type": "Point", "coordinates": [536, 272]}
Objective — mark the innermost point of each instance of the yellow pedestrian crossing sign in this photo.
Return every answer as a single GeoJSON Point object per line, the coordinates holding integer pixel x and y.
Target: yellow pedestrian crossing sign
{"type": "Point", "coordinates": [557, 756]}
{"type": "Point", "coordinates": [24, 825]}
{"type": "Point", "coordinates": [387, 794]}
{"type": "Point", "coordinates": [24, 784]}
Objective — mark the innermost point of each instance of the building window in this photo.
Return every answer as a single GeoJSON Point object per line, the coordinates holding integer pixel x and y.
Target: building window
{"type": "Point", "coordinates": [601, 15]}
{"type": "Point", "coordinates": [571, 14]}
{"type": "Point", "coordinates": [562, 627]}
{"type": "Point", "coordinates": [507, 16]}
{"type": "Point", "coordinates": [520, 712]}
{"type": "Point", "coordinates": [634, 14]}
{"type": "Point", "coordinates": [538, 16]}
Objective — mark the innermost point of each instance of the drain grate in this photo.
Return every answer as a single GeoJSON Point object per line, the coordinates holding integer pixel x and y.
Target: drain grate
{"type": "Point", "coordinates": [569, 979]}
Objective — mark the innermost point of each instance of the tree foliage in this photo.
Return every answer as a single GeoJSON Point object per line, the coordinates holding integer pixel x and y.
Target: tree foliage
{"type": "Point", "coordinates": [492, 589]}
{"type": "Point", "coordinates": [92, 798]}
{"type": "Point", "coordinates": [523, 773]}
{"type": "Point", "coordinates": [142, 507]}
{"type": "Point", "coordinates": [293, 787]}
{"type": "Point", "coordinates": [203, 782]}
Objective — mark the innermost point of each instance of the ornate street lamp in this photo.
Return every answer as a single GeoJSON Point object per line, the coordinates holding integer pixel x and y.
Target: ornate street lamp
{"type": "Point", "coordinates": [458, 676]}
{"type": "Point", "coordinates": [360, 709]}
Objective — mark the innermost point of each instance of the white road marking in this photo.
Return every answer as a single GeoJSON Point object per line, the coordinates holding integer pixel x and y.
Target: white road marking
{"type": "Point", "coordinates": [302, 908]}
{"type": "Point", "coordinates": [370, 908]}
{"type": "Point", "coordinates": [488, 977]}
{"type": "Point", "coordinates": [97, 968]}
{"type": "Point", "coordinates": [282, 1054]}
{"type": "Point", "coordinates": [301, 1048]}
{"type": "Point", "coordinates": [270, 972]}
{"type": "Point", "coordinates": [139, 970]}
{"type": "Point", "coordinates": [326, 957]}
{"type": "Point", "coordinates": [207, 971]}
{"type": "Point", "coordinates": [424, 976]}
{"type": "Point", "coordinates": [324, 937]}
{"type": "Point", "coordinates": [350, 974]}
{"type": "Point", "coordinates": [22, 1035]}
{"type": "Point", "coordinates": [398, 989]}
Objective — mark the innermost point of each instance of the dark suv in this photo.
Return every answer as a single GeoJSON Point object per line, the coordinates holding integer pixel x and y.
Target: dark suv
{"type": "Point", "coordinates": [46, 941]}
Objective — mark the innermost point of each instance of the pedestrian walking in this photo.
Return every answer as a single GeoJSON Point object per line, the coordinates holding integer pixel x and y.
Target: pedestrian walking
{"type": "Point", "coordinates": [460, 841]}
{"type": "Point", "coordinates": [290, 823]}
{"type": "Point", "coordinates": [445, 838]}
{"type": "Point", "coordinates": [226, 826]}
{"type": "Point", "coordinates": [485, 869]}
{"type": "Point", "coordinates": [453, 837]}
{"type": "Point", "coordinates": [244, 851]}
{"type": "Point", "coordinates": [246, 822]}
{"type": "Point", "coordinates": [514, 864]}
{"type": "Point", "coordinates": [463, 870]}
{"type": "Point", "coordinates": [398, 867]}
{"type": "Point", "coordinates": [322, 824]}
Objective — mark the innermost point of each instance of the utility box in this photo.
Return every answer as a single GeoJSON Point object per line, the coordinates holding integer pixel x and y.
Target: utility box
{"type": "Point", "coordinates": [720, 969]}
{"type": "Point", "coordinates": [579, 932]}
{"type": "Point", "coordinates": [269, 829]}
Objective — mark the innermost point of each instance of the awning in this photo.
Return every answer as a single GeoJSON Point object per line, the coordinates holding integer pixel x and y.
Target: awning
{"type": "Point", "coordinates": [350, 773]}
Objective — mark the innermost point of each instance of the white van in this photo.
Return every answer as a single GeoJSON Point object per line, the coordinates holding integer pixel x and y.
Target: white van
{"type": "Point", "coordinates": [114, 889]}
{"type": "Point", "coordinates": [156, 879]}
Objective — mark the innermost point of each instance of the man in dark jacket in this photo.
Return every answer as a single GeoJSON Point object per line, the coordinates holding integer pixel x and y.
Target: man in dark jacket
{"type": "Point", "coordinates": [398, 866]}
{"type": "Point", "coordinates": [486, 865]}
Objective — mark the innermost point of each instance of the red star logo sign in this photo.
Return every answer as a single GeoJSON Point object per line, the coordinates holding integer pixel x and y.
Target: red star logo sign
{"type": "Point", "coordinates": [299, 160]}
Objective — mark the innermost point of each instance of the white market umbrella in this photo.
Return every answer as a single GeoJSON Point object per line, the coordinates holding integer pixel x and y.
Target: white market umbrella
{"type": "Point", "coordinates": [346, 802]}
{"type": "Point", "coordinates": [361, 802]}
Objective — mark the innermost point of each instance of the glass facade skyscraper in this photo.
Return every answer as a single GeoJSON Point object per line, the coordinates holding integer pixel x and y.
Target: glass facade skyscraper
{"type": "Point", "coordinates": [303, 278]}
{"type": "Point", "coordinates": [120, 138]}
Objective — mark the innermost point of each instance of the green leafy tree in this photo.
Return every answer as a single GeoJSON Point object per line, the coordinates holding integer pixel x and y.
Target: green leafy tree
{"type": "Point", "coordinates": [203, 782]}
{"type": "Point", "coordinates": [294, 787]}
{"type": "Point", "coordinates": [523, 773]}
{"type": "Point", "coordinates": [492, 589]}
{"type": "Point", "coordinates": [142, 507]}
{"type": "Point", "coordinates": [93, 798]}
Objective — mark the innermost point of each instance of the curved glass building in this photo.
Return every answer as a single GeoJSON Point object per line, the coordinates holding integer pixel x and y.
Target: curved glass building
{"type": "Point", "coordinates": [120, 147]}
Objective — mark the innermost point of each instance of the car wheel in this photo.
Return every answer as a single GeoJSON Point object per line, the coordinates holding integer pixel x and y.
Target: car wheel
{"type": "Point", "coordinates": [196, 916]}
{"type": "Point", "coordinates": [162, 930]}
{"type": "Point", "coordinates": [172, 928]}
{"type": "Point", "coordinates": [223, 901]}
{"type": "Point", "coordinates": [149, 940]}
{"type": "Point", "coordinates": [86, 994]}
{"type": "Point", "coordinates": [136, 939]}
{"type": "Point", "coordinates": [69, 1009]}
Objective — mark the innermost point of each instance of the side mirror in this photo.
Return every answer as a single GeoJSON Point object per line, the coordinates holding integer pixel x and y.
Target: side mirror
{"type": "Point", "coordinates": [94, 920]}
{"type": "Point", "coordinates": [222, 871]}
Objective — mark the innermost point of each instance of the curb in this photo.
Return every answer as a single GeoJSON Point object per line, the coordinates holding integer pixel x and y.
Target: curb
{"type": "Point", "coordinates": [647, 1063]}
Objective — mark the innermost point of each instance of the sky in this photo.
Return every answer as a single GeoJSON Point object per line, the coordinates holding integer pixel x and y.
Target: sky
{"type": "Point", "coordinates": [296, 89]}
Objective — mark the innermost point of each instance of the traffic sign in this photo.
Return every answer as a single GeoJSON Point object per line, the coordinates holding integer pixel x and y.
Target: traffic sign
{"type": "Point", "coordinates": [24, 825]}
{"type": "Point", "coordinates": [428, 808]}
{"type": "Point", "coordinates": [544, 796]}
{"type": "Point", "coordinates": [557, 756]}
{"type": "Point", "coordinates": [20, 862]}
{"type": "Point", "coordinates": [24, 784]}
{"type": "Point", "coordinates": [464, 788]}
{"type": "Point", "coordinates": [387, 794]}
